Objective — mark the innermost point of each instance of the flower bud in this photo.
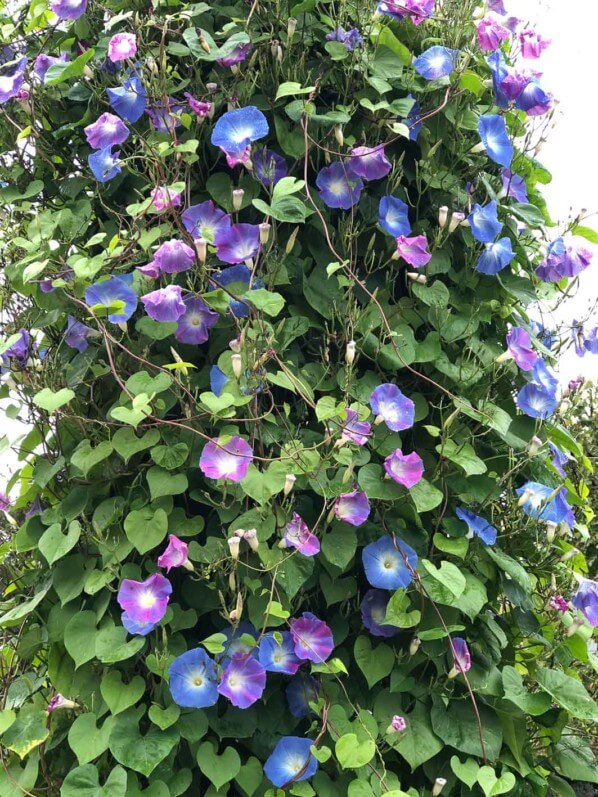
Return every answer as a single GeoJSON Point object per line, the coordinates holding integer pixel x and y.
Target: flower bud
{"type": "Point", "coordinates": [550, 530]}
{"type": "Point", "coordinates": [439, 785]}
{"type": "Point", "coordinates": [397, 724]}
{"type": "Point", "coordinates": [238, 195]}
{"type": "Point", "coordinates": [237, 365]}
{"type": "Point", "coordinates": [378, 420]}
{"type": "Point", "coordinates": [289, 483]}
{"type": "Point", "coordinates": [234, 543]}
{"type": "Point", "coordinates": [291, 27]}
{"type": "Point", "coordinates": [535, 444]}
{"type": "Point", "coordinates": [233, 616]}
{"type": "Point", "coordinates": [59, 701]}
{"type": "Point", "coordinates": [264, 232]}
{"type": "Point", "coordinates": [577, 623]}
{"type": "Point", "coordinates": [525, 496]}
{"type": "Point", "coordinates": [421, 279]}
{"type": "Point", "coordinates": [350, 353]}
{"type": "Point", "coordinates": [212, 87]}
{"type": "Point", "coordinates": [478, 148]}
{"type": "Point", "coordinates": [201, 247]}
{"type": "Point", "coordinates": [150, 63]}
{"type": "Point", "coordinates": [235, 345]}
{"type": "Point", "coordinates": [414, 646]}
{"type": "Point", "coordinates": [338, 134]}
{"type": "Point", "coordinates": [569, 554]}
{"type": "Point", "coordinates": [234, 68]}
{"type": "Point", "coordinates": [123, 326]}
{"type": "Point", "coordinates": [204, 45]}
{"type": "Point", "coordinates": [443, 214]}
{"type": "Point", "coordinates": [291, 241]}
{"type": "Point", "coordinates": [251, 539]}
{"type": "Point", "coordinates": [279, 54]}
{"type": "Point", "coordinates": [457, 219]}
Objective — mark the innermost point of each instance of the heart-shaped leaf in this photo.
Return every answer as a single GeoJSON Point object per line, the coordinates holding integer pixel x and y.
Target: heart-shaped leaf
{"type": "Point", "coordinates": [85, 782]}
{"type": "Point", "coordinates": [219, 769]}
{"type": "Point", "coordinates": [7, 717]}
{"type": "Point", "coordinates": [146, 527]}
{"type": "Point", "coordinates": [80, 636]}
{"type": "Point", "coordinates": [375, 663]}
{"type": "Point", "coordinates": [161, 482]}
{"type": "Point", "coordinates": [352, 753]}
{"type": "Point", "coordinates": [164, 717]}
{"type": "Point", "coordinates": [54, 544]}
{"type": "Point", "coordinates": [491, 785]}
{"type": "Point", "coordinates": [448, 575]}
{"type": "Point", "coordinates": [126, 443]}
{"type": "Point", "coordinates": [250, 776]}
{"type": "Point", "coordinates": [86, 740]}
{"type": "Point", "coordinates": [467, 772]}
{"type": "Point", "coordinates": [111, 644]}
{"type": "Point", "coordinates": [140, 752]}
{"type": "Point", "coordinates": [120, 696]}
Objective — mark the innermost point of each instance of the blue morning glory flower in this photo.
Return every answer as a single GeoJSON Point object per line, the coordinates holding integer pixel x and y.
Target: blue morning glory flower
{"type": "Point", "coordinates": [533, 99]}
{"type": "Point", "coordinates": [269, 167]}
{"type": "Point", "coordinates": [539, 398]}
{"type": "Point", "coordinates": [136, 626]}
{"type": "Point", "coordinates": [236, 281]}
{"type": "Point", "coordinates": [484, 222]}
{"type": "Point", "coordinates": [205, 220]}
{"type": "Point", "coordinates": [193, 681]}
{"type": "Point", "coordinates": [436, 62]}
{"type": "Point", "coordinates": [218, 380]}
{"type": "Point", "coordinates": [384, 563]}
{"type": "Point", "coordinates": [104, 164]}
{"type": "Point", "coordinates": [337, 187]}
{"type": "Point", "coordinates": [477, 525]}
{"type": "Point", "coordinates": [235, 131]}
{"type": "Point", "coordinates": [275, 656]}
{"type": "Point", "coordinates": [129, 100]}
{"type": "Point", "coordinates": [495, 257]}
{"type": "Point", "coordinates": [373, 611]}
{"type": "Point", "coordinates": [546, 503]}
{"type": "Point", "coordinates": [393, 216]}
{"type": "Point", "coordinates": [290, 762]}
{"type": "Point", "coordinates": [114, 289]}
{"type": "Point", "coordinates": [302, 691]}
{"type": "Point", "coordinates": [559, 459]}
{"type": "Point", "coordinates": [236, 646]}
{"type": "Point", "coordinates": [413, 120]}
{"type": "Point", "coordinates": [495, 138]}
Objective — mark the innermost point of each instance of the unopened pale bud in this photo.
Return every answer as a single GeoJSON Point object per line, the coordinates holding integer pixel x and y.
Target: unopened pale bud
{"type": "Point", "coordinates": [525, 496]}
{"type": "Point", "coordinates": [237, 365]}
{"type": "Point", "coordinates": [264, 232]}
{"type": "Point", "coordinates": [350, 352]}
{"type": "Point", "coordinates": [457, 219]}
{"type": "Point", "coordinates": [289, 483]}
{"type": "Point", "coordinates": [279, 54]}
{"type": "Point", "coordinates": [550, 530]}
{"type": "Point", "coordinates": [201, 247]}
{"type": "Point", "coordinates": [235, 345]}
{"type": "Point", "coordinates": [575, 626]}
{"type": "Point", "coordinates": [238, 195]}
{"type": "Point", "coordinates": [414, 646]}
{"type": "Point", "coordinates": [291, 27]}
{"type": "Point", "coordinates": [570, 554]}
{"type": "Point", "coordinates": [291, 241]}
{"type": "Point", "coordinates": [251, 539]}
{"type": "Point", "coordinates": [123, 325]}
{"type": "Point", "coordinates": [234, 543]}
{"type": "Point", "coordinates": [443, 215]}
{"type": "Point", "coordinates": [204, 45]}
{"type": "Point", "coordinates": [421, 279]}
{"type": "Point", "coordinates": [439, 785]}
{"type": "Point", "coordinates": [234, 68]}
{"type": "Point", "coordinates": [338, 134]}
{"type": "Point", "coordinates": [397, 725]}
{"type": "Point", "coordinates": [212, 87]}
{"type": "Point", "coordinates": [348, 473]}
{"type": "Point", "coordinates": [478, 148]}
{"type": "Point", "coordinates": [274, 45]}
{"type": "Point", "coordinates": [535, 444]}
{"type": "Point", "coordinates": [378, 420]}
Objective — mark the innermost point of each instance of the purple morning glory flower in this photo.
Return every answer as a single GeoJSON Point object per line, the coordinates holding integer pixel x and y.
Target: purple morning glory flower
{"type": "Point", "coordinates": [236, 56]}
{"type": "Point", "coordinates": [312, 638]}
{"type": "Point", "coordinates": [393, 216]}
{"type": "Point", "coordinates": [175, 554]}
{"type": "Point", "coordinates": [495, 138]}
{"type": "Point", "coordinates": [68, 9]}
{"type": "Point", "coordinates": [519, 344]}
{"type": "Point", "coordinates": [373, 612]}
{"type": "Point", "coordinates": [404, 469]}
{"type": "Point", "coordinates": [413, 250]}
{"type": "Point", "coordinates": [145, 601]}
{"type": "Point", "coordinates": [586, 600]}
{"type": "Point", "coordinates": [241, 643]}
{"type": "Point", "coordinates": [122, 46]}
{"type": "Point", "coordinates": [110, 291]}
{"type": "Point", "coordinates": [495, 257]}
{"type": "Point", "coordinates": [277, 656]}
{"type": "Point", "coordinates": [533, 99]}
{"type": "Point", "coordinates": [218, 380]}
{"type": "Point", "coordinates": [165, 304]}
{"type": "Point", "coordinates": [545, 503]}
{"type": "Point", "coordinates": [192, 680]}
{"type": "Point", "coordinates": [200, 108]}
{"type": "Point", "coordinates": [237, 243]}
{"type": "Point", "coordinates": [461, 656]}
{"type": "Point", "coordinates": [107, 131]}
{"type": "Point", "coordinates": [138, 627]}
{"type": "Point", "coordinates": [590, 342]}
{"type": "Point", "coordinates": [104, 164]}
{"type": "Point", "coordinates": [269, 167]}
{"type": "Point", "coordinates": [236, 280]}
{"type": "Point", "coordinates": [532, 44]}
{"type": "Point", "coordinates": [199, 318]}
{"type": "Point", "coordinates": [388, 563]}
{"type": "Point", "coordinates": [353, 508]}
{"type": "Point", "coordinates": [165, 114]}
{"type": "Point", "coordinates": [391, 406]}
{"type": "Point", "coordinates": [563, 260]}
{"type": "Point", "coordinates": [497, 6]}
{"type": "Point", "coordinates": [164, 198]}
{"type": "Point", "coordinates": [243, 682]}
{"type": "Point", "coordinates": [436, 62]}
{"type": "Point", "coordinates": [43, 62]}
{"type": "Point", "coordinates": [477, 525]}
{"type": "Point", "coordinates": [369, 163]}
{"type": "Point", "coordinates": [172, 257]}
{"type": "Point", "coordinates": [11, 80]}
{"type": "Point", "coordinates": [484, 222]}
{"type": "Point", "coordinates": [129, 100]}
{"type": "Point", "coordinates": [491, 33]}
{"type": "Point", "coordinates": [205, 220]}
{"type": "Point", "coordinates": [297, 535]}
{"type": "Point", "coordinates": [514, 186]}
{"type": "Point", "coordinates": [559, 459]}
{"type": "Point", "coordinates": [226, 460]}
{"type": "Point", "coordinates": [355, 431]}
{"type": "Point", "coordinates": [350, 38]}
{"type": "Point", "coordinates": [76, 334]}
{"type": "Point", "coordinates": [290, 762]}
{"type": "Point", "coordinates": [20, 349]}
{"type": "Point", "coordinates": [539, 398]}
{"type": "Point", "coordinates": [236, 130]}
{"type": "Point", "coordinates": [337, 187]}
{"type": "Point", "coordinates": [415, 10]}
{"type": "Point", "coordinates": [302, 691]}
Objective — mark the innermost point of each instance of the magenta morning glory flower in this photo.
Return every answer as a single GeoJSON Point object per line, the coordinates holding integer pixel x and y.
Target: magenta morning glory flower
{"type": "Point", "coordinates": [415, 10]}
{"type": "Point", "coordinates": [312, 637]}
{"type": "Point", "coordinates": [277, 656]}
{"type": "Point", "coordinates": [226, 460]}
{"type": "Point", "coordinates": [107, 131]}
{"type": "Point", "coordinates": [165, 304]}
{"type": "Point", "coordinates": [477, 525]}
{"type": "Point", "coordinates": [128, 100]}
{"type": "Point", "coordinates": [104, 164]}
{"type": "Point", "coordinates": [559, 604]}
{"type": "Point", "coordinates": [290, 761]}
{"type": "Point", "coordinates": [199, 318]}
{"type": "Point", "coordinates": [200, 108]}
{"type": "Point", "coordinates": [461, 656]}
{"type": "Point", "coordinates": [491, 33]}
{"type": "Point", "coordinates": [205, 220]}
{"type": "Point", "coordinates": [237, 243]}
{"type": "Point", "coordinates": [404, 469]}
{"type": "Point", "coordinates": [519, 347]}
{"type": "Point", "coordinates": [514, 186]}
{"type": "Point", "coordinates": [110, 291]}
{"type": "Point", "coordinates": [353, 508]}
{"type": "Point", "coordinates": [337, 187]}
{"type": "Point", "coordinates": [68, 9]}
{"type": "Point", "coordinates": [436, 62]}
{"type": "Point", "coordinates": [586, 600]}
{"type": "Point", "coordinates": [391, 406]}
{"type": "Point", "coordinates": [369, 163]}
{"type": "Point", "coordinates": [388, 563]}
{"type": "Point", "coordinates": [532, 43]}
{"type": "Point", "coordinates": [413, 250]}
{"type": "Point", "coordinates": [563, 260]}
{"type": "Point", "coordinates": [269, 167]}
{"type": "Point", "coordinates": [393, 216]}
{"type": "Point", "coordinates": [484, 222]}
{"type": "Point", "coordinates": [122, 46]}
{"type": "Point", "coordinates": [76, 334]}
{"type": "Point", "coordinates": [43, 62]}
{"type": "Point", "coordinates": [175, 555]}
{"type": "Point", "coordinates": [236, 130]}
{"type": "Point", "coordinates": [236, 56]}
{"type": "Point", "coordinates": [495, 257]}
{"type": "Point", "coordinates": [243, 682]}
{"type": "Point", "coordinates": [145, 601]}
{"type": "Point", "coordinates": [173, 256]}
{"type": "Point", "coordinates": [192, 680]}
{"type": "Point", "coordinates": [373, 612]}
{"type": "Point", "coordinates": [59, 701]}
{"type": "Point", "coordinates": [163, 198]}
{"type": "Point", "coordinates": [297, 535]}
{"type": "Point", "coordinates": [493, 132]}
{"type": "Point", "coordinates": [350, 38]}
{"type": "Point", "coordinates": [354, 430]}
{"type": "Point", "coordinates": [165, 114]}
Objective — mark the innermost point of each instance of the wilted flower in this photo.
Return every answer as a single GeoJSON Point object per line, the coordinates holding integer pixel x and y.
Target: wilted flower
{"type": "Point", "coordinates": [226, 460]}
{"type": "Point", "coordinates": [397, 724]}
{"type": "Point", "coordinates": [165, 114]}
{"type": "Point", "coordinates": [76, 334]}
{"type": "Point", "coordinates": [200, 108]}
{"type": "Point", "coordinates": [122, 46]}
{"type": "Point", "coordinates": [461, 657]}
{"type": "Point", "coordinates": [290, 762]}
{"type": "Point", "coordinates": [43, 62]}
{"type": "Point", "coordinates": [559, 604]}
{"type": "Point", "coordinates": [405, 469]}
{"type": "Point", "coordinates": [163, 198]}
{"type": "Point", "coordinates": [175, 555]}
{"type": "Point", "coordinates": [302, 691]}
{"type": "Point", "coordinates": [59, 701]}
{"type": "Point", "coordinates": [559, 459]}
{"type": "Point", "coordinates": [388, 563]}
{"type": "Point", "coordinates": [477, 525]}
{"type": "Point", "coordinates": [297, 535]}
{"type": "Point", "coordinates": [436, 62]}
{"type": "Point", "coordinates": [413, 250]}
{"type": "Point", "coordinates": [563, 260]}
{"type": "Point", "coordinates": [491, 33]}
{"type": "Point", "coordinates": [415, 10]}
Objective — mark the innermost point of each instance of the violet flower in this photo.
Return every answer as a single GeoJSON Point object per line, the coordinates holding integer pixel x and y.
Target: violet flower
{"type": "Point", "coordinates": [76, 334]}
{"type": "Point", "coordinates": [436, 62]}
{"type": "Point", "coordinates": [236, 130]}
{"type": "Point", "coordinates": [226, 460]}
{"type": "Point", "coordinates": [236, 56]}
{"type": "Point", "coordinates": [269, 167]}
{"type": "Point", "coordinates": [373, 611]}
{"type": "Point", "coordinates": [205, 220]}
{"type": "Point", "coordinates": [104, 164]}
{"type": "Point", "coordinates": [337, 187]}
{"type": "Point", "coordinates": [175, 555]}
{"type": "Point", "coordinates": [107, 131]}
{"type": "Point", "coordinates": [200, 108]}
{"type": "Point", "coordinates": [404, 469]}
{"type": "Point", "coordinates": [122, 46]}
{"type": "Point", "coordinates": [297, 535]}
{"type": "Point", "coordinates": [173, 257]}
{"type": "Point", "coordinates": [586, 600]}
{"type": "Point", "coordinates": [145, 601]}
{"type": "Point", "coordinates": [514, 186]}
{"type": "Point", "coordinates": [194, 326]}
{"type": "Point", "coordinates": [43, 62]}
{"type": "Point", "coordinates": [243, 682]}
{"type": "Point", "coordinates": [390, 405]}
{"type": "Point", "coordinates": [353, 508]}
{"type": "Point", "coordinates": [413, 250]}
{"type": "Point", "coordinates": [165, 114]}
{"type": "Point", "coordinates": [563, 261]}
{"type": "Point", "coordinates": [532, 44]}
{"type": "Point", "coordinates": [350, 38]}
{"type": "Point", "coordinates": [68, 9]}
{"type": "Point", "coordinates": [279, 656]}
{"type": "Point", "coordinates": [461, 656]}
{"type": "Point", "coordinates": [164, 197]}
{"type": "Point", "coordinates": [165, 304]}
{"type": "Point", "coordinates": [369, 163]}
{"type": "Point", "coordinates": [312, 637]}
{"type": "Point", "coordinates": [519, 347]}
{"type": "Point", "coordinates": [58, 701]}
{"type": "Point", "coordinates": [237, 243]}
{"type": "Point", "coordinates": [354, 430]}
{"type": "Point", "coordinates": [491, 33]}
{"type": "Point", "coordinates": [128, 100]}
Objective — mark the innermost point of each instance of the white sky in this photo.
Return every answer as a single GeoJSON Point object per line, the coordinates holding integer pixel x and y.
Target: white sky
{"type": "Point", "coordinates": [571, 154]}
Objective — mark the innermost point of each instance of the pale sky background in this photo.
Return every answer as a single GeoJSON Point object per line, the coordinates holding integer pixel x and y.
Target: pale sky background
{"type": "Point", "coordinates": [571, 154]}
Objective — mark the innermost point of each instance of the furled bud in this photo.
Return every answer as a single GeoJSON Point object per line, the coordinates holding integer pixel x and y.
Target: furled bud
{"type": "Point", "coordinates": [421, 279]}
{"type": "Point", "coordinates": [338, 134]}
{"type": "Point", "coordinates": [478, 148]}
{"type": "Point", "coordinates": [569, 554]}
{"type": "Point", "coordinates": [550, 530]}
{"type": "Point", "coordinates": [525, 496]}
{"type": "Point", "coordinates": [397, 724]}
{"type": "Point", "coordinates": [457, 219]}
{"type": "Point", "coordinates": [264, 232]}
{"type": "Point", "coordinates": [238, 195]}
{"type": "Point", "coordinates": [291, 241]}
{"type": "Point", "coordinates": [237, 365]}
{"type": "Point", "coordinates": [204, 45]}
{"type": "Point", "coordinates": [212, 87]}
{"type": "Point", "coordinates": [291, 27]}
{"type": "Point", "coordinates": [414, 646]}
{"type": "Point", "coordinates": [201, 247]}
{"type": "Point", "coordinates": [234, 543]}
{"type": "Point", "coordinates": [235, 345]}
{"type": "Point", "coordinates": [59, 701]}
{"type": "Point", "coordinates": [535, 444]}
{"type": "Point", "coordinates": [443, 215]}
{"type": "Point", "coordinates": [289, 483]}
{"type": "Point", "coordinates": [251, 539]}
{"type": "Point", "coordinates": [439, 785]}
{"type": "Point", "coordinates": [350, 352]}
{"type": "Point", "coordinates": [577, 623]}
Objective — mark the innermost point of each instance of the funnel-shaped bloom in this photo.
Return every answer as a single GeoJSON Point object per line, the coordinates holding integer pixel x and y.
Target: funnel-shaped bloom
{"type": "Point", "coordinates": [338, 188]}
{"type": "Point", "coordinates": [519, 344]}
{"type": "Point", "coordinates": [533, 99]}
{"type": "Point", "coordinates": [559, 459]}
{"type": "Point", "coordinates": [104, 164]}
{"type": "Point", "coordinates": [192, 680]}
{"type": "Point", "coordinates": [68, 9]}
{"type": "Point", "coordinates": [390, 405]}
{"type": "Point", "coordinates": [491, 33]}
{"type": "Point", "coordinates": [414, 250]}
{"type": "Point", "coordinates": [495, 138]}
{"type": "Point", "coordinates": [205, 220]}
{"type": "Point", "coordinates": [111, 291]}
{"type": "Point", "coordinates": [477, 525]}
{"type": "Point", "coordinates": [165, 304]}
{"type": "Point", "coordinates": [237, 243]}
{"type": "Point", "coordinates": [145, 601]}
{"type": "Point", "coordinates": [369, 163]}
{"type": "Point", "coordinates": [107, 131]}
{"type": "Point", "coordinates": [164, 197]}
{"type": "Point", "coordinates": [312, 638]}
{"type": "Point", "coordinates": [269, 167]}
{"type": "Point", "coordinates": [279, 656]}
{"type": "Point", "coordinates": [236, 130]}
{"type": "Point", "coordinates": [495, 257]}
{"type": "Point", "coordinates": [484, 222]}
{"type": "Point", "coordinates": [236, 56]}
{"type": "Point", "coordinates": [563, 260]}
{"type": "Point", "coordinates": [11, 80]}
{"type": "Point", "coordinates": [43, 62]}
{"type": "Point", "coordinates": [165, 114]}
{"type": "Point", "coordinates": [539, 398]}
{"type": "Point", "coordinates": [393, 216]}
{"type": "Point", "coordinates": [122, 46]}
{"type": "Point", "coordinates": [354, 430]}
{"type": "Point", "coordinates": [226, 460]}
{"type": "Point", "coordinates": [175, 554]}
{"type": "Point", "coordinates": [76, 334]}
{"type": "Point", "coordinates": [373, 612]}
{"type": "Point", "coordinates": [415, 10]}
{"type": "Point", "coordinates": [290, 762]}
{"type": "Point", "coordinates": [297, 535]}
{"type": "Point", "coordinates": [20, 349]}
{"type": "Point", "coordinates": [241, 643]}
{"type": "Point", "coordinates": [350, 38]}
{"type": "Point", "coordinates": [353, 508]}
{"type": "Point", "coordinates": [388, 563]}
{"type": "Point", "coordinates": [405, 469]}
{"type": "Point", "coordinates": [129, 100]}
{"type": "Point", "coordinates": [461, 654]}
{"type": "Point", "coordinates": [514, 186]}
{"type": "Point", "coordinates": [243, 681]}
{"type": "Point", "coordinates": [545, 503]}
{"type": "Point", "coordinates": [194, 327]}
{"type": "Point", "coordinates": [236, 280]}
{"type": "Point", "coordinates": [586, 600]}
{"type": "Point", "coordinates": [302, 691]}
{"type": "Point", "coordinates": [173, 256]}
{"type": "Point", "coordinates": [532, 44]}
{"type": "Point", "coordinates": [436, 62]}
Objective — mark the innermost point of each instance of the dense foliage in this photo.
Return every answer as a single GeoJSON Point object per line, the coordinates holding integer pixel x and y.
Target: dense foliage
{"type": "Point", "coordinates": [299, 510]}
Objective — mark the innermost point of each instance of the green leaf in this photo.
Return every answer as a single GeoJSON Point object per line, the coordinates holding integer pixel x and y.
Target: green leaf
{"type": "Point", "coordinates": [126, 443]}
{"type": "Point", "coordinates": [467, 772]}
{"type": "Point", "coordinates": [515, 691]}
{"type": "Point", "coordinates": [161, 482]}
{"type": "Point", "coordinates": [7, 718]}
{"type": "Point", "coordinates": [420, 744]}
{"type": "Point", "coordinates": [457, 546]}
{"type": "Point", "coordinates": [569, 693]}
{"type": "Point", "coordinates": [53, 544]}
{"type": "Point", "coordinates": [118, 695]}
{"type": "Point", "coordinates": [463, 455]}
{"type": "Point", "coordinates": [86, 740]}
{"type": "Point", "coordinates": [164, 717]}
{"type": "Point", "coordinates": [84, 457]}
{"type": "Point", "coordinates": [47, 400]}
{"type": "Point", "coordinates": [137, 751]}
{"type": "Point", "coordinates": [250, 776]}
{"type": "Point", "coordinates": [80, 637]}
{"type": "Point", "coordinates": [85, 782]}
{"type": "Point", "coordinates": [266, 301]}
{"type": "Point", "coordinates": [530, 214]}
{"type": "Point", "coordinates": [387, 38]}
{"type": "Point", "coordinates": [219, 769]}
{"type": "Point", "coordinates": [58, 73]}
{"type": "Point", "coordinates": [375, 663]}
{"type": "Point", "coordinates": [339, 546]}
{"type": "Point", "coordinates": [573, 758]}
{"type": "Point", "coordinates": [27, 732]}
{"type": "Point", "coordinates": [112, 645]}
{"type": "Point", "coordinates": [448, 575]}
{"type": "Point", "coordinates": [586, 232]}
{"type": "Point", "coordinates": [212, 52]}
{"type": "Point", "coordinates": [352, 753]}
{"type": "Point", "coordinates": [457, 726]}
{"type": "Point", "coordinates": [170, 457]}
{"type": "Point", "coordinates": [511, 567]}
{"type": "Point", "coordinates": [491, 785]}
{"type": "Point", "coordinates": [291, 89]}
{"type": "Point", "coordinates": [146, 528]}
{"type": "Point", "coordinates": [399, 612]}
{"type": "Point", "coordinates": [425, 496]}
{"type": "Point", "coordinates": [434, 295]}
{"type": "Point", "coordinates": [262, 485]}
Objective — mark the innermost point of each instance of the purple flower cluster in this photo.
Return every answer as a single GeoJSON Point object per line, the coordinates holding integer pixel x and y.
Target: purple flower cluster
{"type": "Point", "coordinates": [350, 38]}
